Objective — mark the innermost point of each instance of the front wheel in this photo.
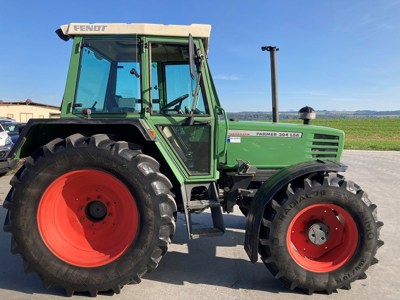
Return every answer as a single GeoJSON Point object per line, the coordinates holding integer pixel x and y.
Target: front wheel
{"type": "Point", "coordinates": [320, 234]}
{"type": "Point", "coordinates": [90, 214]}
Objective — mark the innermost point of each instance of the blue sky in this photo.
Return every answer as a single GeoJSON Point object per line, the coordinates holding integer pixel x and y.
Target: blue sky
{"type": "Point", "coordinates": [334, 55]}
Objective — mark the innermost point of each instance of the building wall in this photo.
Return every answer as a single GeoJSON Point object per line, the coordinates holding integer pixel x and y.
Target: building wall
{"type": "Point", "coordinates": [24, 112]}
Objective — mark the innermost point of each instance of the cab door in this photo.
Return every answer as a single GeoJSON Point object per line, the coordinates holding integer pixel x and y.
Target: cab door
{"type": "Point", "coordinates": [179, 111]}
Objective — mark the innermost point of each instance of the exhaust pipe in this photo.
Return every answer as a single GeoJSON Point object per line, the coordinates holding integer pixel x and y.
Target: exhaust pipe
{"type": "Point", "coordinates": [274, 81]}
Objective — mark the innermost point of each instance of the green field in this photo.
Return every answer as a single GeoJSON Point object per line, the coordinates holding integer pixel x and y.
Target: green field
{"type": "Point", "coordinates": [365, 134]}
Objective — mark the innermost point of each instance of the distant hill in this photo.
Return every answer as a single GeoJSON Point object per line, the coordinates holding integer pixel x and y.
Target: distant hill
{"type": "Point", "coordinates": [322, 114]}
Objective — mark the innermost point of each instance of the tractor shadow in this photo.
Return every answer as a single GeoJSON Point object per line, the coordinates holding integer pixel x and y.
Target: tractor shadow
{"type": "Point", "coordinates": [216, 261]}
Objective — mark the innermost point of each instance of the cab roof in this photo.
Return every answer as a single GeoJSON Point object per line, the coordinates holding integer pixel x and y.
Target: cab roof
{"type": "Point", "coordinates": [81, 29]}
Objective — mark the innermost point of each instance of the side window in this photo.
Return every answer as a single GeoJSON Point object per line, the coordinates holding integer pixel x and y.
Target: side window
{"type": "Point", "coordinates": [172, 86]}
{"type": "Point", "coordinates": [93, 80]}
{"type": "Point", "coordinates": [109, 76]}
{"type": "Point", "coordinates": [176, 86]}
{"type": "Point", "coordinates": [127, 90]}
{"type": "Point", "coordinates": [192, 145]}
{"type": "Point", "coordinates": [155, 95]}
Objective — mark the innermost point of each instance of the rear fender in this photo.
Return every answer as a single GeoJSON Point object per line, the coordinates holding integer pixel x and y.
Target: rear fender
{"type": "Point", "coordinates": [267, 191]}
{"type": "Point", "coordinates": [38, 132]}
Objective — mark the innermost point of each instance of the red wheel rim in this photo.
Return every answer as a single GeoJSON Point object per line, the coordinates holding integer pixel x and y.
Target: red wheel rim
{"type": "Point", "coordinates": [322, 237]}
{"type": "Point", "coordinates": [87, 218]}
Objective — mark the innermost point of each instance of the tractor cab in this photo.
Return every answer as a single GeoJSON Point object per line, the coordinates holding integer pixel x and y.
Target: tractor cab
{"type": "Point", "coordinates": [128, 72]}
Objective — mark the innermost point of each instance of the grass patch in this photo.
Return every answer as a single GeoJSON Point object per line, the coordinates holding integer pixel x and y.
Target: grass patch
{"type": "Point", "coordinates": [365, 134]}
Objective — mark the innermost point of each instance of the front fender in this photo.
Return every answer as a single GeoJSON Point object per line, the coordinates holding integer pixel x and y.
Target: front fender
{"type": "Point", "coordinates": [267, 191]}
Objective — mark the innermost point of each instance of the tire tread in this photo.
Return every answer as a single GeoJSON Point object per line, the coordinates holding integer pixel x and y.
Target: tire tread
{"type": "Point", "coordinates": [274, 208]}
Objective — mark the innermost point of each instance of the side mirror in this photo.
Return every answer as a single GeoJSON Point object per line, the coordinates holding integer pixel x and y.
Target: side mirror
{"type": "Point", "coordinates": [192, 55]}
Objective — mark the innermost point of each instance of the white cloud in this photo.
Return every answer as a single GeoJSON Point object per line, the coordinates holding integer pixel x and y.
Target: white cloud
{"type": "Point", "coordinates": [227, 77]}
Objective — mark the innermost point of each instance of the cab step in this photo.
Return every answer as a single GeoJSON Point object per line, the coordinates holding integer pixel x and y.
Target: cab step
{"type": "Point", "coordinates": [200, 197]}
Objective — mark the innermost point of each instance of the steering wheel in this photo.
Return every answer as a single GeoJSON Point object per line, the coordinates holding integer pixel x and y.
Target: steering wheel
{"type": "Point", "coordinates": [177, 101]}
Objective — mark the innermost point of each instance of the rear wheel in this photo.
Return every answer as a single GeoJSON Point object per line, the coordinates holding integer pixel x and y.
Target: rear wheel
{"type": "Point", "coordinates": [320, 234]}
{"type": "Point", "coordinates": [96, 211]}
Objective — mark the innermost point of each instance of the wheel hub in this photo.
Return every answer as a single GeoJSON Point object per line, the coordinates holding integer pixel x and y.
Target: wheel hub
{"type": "Point", "coordinates": [318, 233]}
{"type": "Point", "coordinates": [96, 211]}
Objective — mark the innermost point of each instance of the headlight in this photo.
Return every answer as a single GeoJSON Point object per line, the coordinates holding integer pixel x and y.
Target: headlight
{"type": "Point", "coordinates": [8, 140]}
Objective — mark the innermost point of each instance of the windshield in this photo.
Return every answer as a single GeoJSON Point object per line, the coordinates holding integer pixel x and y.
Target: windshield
{"type": "Point", "coordinates": [11, 128]}
{"type": "Point", "coordinates": [109, 76]}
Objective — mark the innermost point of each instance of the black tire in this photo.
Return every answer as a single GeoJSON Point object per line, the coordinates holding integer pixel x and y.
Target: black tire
{"type": "Point", "coordinates": [139, 173]}
{"type": "Point", "coordinates": [278, 233]}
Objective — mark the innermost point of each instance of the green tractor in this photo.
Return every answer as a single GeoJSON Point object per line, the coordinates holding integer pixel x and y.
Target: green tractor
{"type": "Point", "coordinates": [142, 136]}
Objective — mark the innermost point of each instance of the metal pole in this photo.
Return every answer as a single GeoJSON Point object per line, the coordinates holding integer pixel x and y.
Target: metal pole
{"type": "Point", "coordinates": [274, 81]}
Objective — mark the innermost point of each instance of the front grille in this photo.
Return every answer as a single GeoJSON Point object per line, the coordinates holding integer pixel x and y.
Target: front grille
{"type": "Point", "coordinates": [325, 146]}
{"type": "Point", "coordinates": [325, 137]}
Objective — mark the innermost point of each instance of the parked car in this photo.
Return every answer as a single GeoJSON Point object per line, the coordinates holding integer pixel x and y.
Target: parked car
{"type": "Point", "coordinates": [4, 120]}
{"type": "Point", "coordinates": [5, 143]}
{"type": "Point", "coordinates": [13, 129]}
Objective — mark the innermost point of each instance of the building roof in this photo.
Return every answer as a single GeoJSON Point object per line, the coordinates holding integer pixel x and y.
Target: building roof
{"type": "Point", "coordinates": [196, 30]}
{"type": "Point", "coordinates": [28, 102]}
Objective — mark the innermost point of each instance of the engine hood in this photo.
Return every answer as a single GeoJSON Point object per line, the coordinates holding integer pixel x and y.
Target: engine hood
{"type": "Point", "coordinates": [278, 145]}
